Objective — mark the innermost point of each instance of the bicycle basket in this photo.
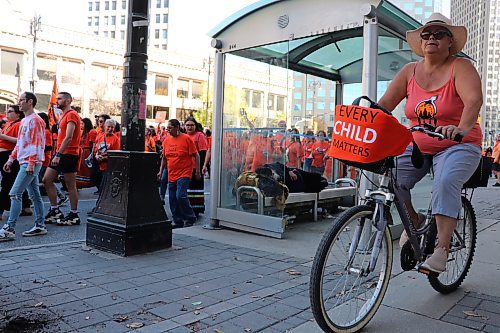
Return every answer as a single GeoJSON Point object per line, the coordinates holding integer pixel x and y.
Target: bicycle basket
{"type": "Point", "coordinates": [366, 137]}
{"type": "Point", "coordinates": [480, 177]}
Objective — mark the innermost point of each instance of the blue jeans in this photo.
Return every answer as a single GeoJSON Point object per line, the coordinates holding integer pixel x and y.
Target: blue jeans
{"type": "Point", "coordinates": [163, 183]}
{"type": "Point", "coordinates": [179, 203]}
{"type": "Point", "coordinates": [26, 182]}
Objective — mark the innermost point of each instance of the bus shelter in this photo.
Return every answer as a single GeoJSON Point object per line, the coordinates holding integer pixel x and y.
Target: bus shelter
{"type": "Point", "coordinates": [283, 65]}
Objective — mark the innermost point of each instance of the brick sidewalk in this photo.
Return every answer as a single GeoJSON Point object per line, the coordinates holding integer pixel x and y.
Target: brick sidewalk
{"type": "Point", "coordinates": [199, 286]}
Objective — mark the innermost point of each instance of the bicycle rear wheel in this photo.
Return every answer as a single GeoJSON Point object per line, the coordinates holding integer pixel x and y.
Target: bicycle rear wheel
{"type": "Point", "coordinates": [343, 297]}
{"type": "Point", "coordinates": [463, 245]}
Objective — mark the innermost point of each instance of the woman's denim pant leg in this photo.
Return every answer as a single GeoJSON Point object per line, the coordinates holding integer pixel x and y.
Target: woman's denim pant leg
{"type": "Point", "coordinates": [179, 202]}
{"type": "Point", "coordinates": [163, 184]}
{"type": "Point", "coordinates": [26, 182]}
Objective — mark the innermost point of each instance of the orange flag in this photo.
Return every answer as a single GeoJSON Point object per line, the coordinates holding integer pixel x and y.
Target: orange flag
{"type": "Point", "coordinates": [52, 104]}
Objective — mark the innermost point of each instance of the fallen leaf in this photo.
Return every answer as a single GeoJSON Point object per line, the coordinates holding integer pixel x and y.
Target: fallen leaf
{"type": "Point", "coordinates": [197, 303]}
{"type": "Point", "coordinates": [255, 296]}
{"type": "Point", "coordinates": [87, 318]}
{"type": "Point", "coordinates": [120, 318]}
{"type": "Point", "coordinates": [260, 276]}
{"type": "Point", "coordinates": [183, 308]}
{"type": "Point", "coordinates": [236, 258]}
{"type": "Point", "coordinates": [235, 291]}
{"type": "Point", "coordinates": [114, 298]}
{"type": "Point", "coordinates": [37, 305]}
{"type": "Point", "coordinates": [218, 330]}
{"type": "Point", "coordinates": [475, 314]}
{"type": "Point", "coordinates": [371, 285]}
{"type": "Point", "coordinates": [197, 312]}
{"type": "Point", "coordinates": [248, 329]}
{"type": "Point", "coordinates": [293, 272]}
{"type": "Point", "coordinates": [187, 297]}
{"type": "Point", "coordinates": [135, 325]}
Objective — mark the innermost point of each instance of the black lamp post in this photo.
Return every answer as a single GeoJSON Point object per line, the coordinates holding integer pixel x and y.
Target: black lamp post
{"type": "Point", "coordinates": [129, 217]}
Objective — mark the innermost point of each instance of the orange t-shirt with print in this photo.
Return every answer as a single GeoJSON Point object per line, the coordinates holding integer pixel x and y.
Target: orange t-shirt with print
{"type": "Point", "coordinates": [319, 149]}
{"type": "Point", "coordinates": [10, 129]}
{"type": "Point", "coordinates": [179, 153]}
{"type": "Point", "coordinates": [150, 142]}
{"type": "Point", "coordinates": [48, 143]}
{"type": "Point", "coordinates": [295, 153]}
{"type": "Point", "coordinates": [70, 116]}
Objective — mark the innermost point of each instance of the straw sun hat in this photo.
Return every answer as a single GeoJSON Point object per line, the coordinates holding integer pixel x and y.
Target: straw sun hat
{"type": "Point", "coordinates": [459, 33]}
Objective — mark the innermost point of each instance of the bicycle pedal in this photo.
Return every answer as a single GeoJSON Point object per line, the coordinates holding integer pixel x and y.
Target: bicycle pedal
{"type": "Point", "coordinates": [423, 270]}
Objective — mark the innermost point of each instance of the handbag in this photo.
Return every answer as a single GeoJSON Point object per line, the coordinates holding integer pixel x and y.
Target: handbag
{"type": "Point", "coordinates": [367, 137]}
{"type": "Point", "coordinates": [483, 171]}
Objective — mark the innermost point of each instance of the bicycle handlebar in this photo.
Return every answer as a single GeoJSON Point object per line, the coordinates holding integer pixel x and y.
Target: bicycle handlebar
{"type": "Point", "coordinates": [430, 131]}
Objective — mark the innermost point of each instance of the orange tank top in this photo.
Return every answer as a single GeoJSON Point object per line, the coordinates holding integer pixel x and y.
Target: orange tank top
{"type": "Point", "coordinates": [439, 107]}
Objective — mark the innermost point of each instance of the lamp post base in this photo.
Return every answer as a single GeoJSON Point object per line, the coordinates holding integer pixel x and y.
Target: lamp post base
{"type": "Point", "coordinates": [129, 217]}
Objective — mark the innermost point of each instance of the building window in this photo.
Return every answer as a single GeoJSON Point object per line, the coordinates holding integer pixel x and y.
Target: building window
{"type": "Point", "coordinates": [197, 90]}
{"type": "Point", "coordinates": [309, 106]}
{"type": "Point", "coordinates": [157, 46]}
{"type": "Point", "coordinates": [165, 3]}
{"type": "Point", "coordinates": [321, 106]}
{"type": "Point", "coordinates": [105, 34]}
{"type": "Point", "coordinates": [280, 103]}
{"type": "Point", "coordinates": [270, 102]}
{"type": "Point", "coordinates": [161, 85]}
{"type": "Point", "coordinates": [72, 72]}
{"type": "Point", "coordinates": [157, 33]}
{"type": "Point", "coordinates": [46, 67]}
{"type": "Point", "coordinates": [122, 34]}
{"type": "Point", "coordinates": [297, 95]}
{"type": "Point", "coordinates": [158, 18]}
{"type": "Point", "coordinates": [256, 99]}
{"type": "Point", "coordinates": [10, 60]}
{"type": "Point", "coordinates": [158, 3]}
{"type": "Point", "coordinates": [90, 6]}
{"type": "Point", "coordinates": [96, 32]}
{"type": "Point", "coordinates": [113, 5]}
{"type": "Point", "coordinates": [297, 107]}
{"type": "Point", "coordinates": [106, 21]}
{"type": "Point", "coordinates": [298, 84]}
{"type": "Point", "coordinates": [122, 19]}
{"type": "Point", "coordinates": [106, 5]}
{"type": "Point", "coordinates": [124, 4]}
{"type": "Point", "coordinates": [112, 34]}
{"type": "Point", "coordinates": [90, 21]}
{"type": "Point", "coordinates": [182, 88]}
{"type": "Point", "coordinates": [165, 18]}
{"type": "Point", "coordinates": [97, 5]}
{"type": "Point", "coordinates": [96, 20]}
{"type": "Point", "coordinates": [164, 46]}
{"type": "Point", "coordinates": [113, 20]}
{"type": "Point", "coordinates": [164, 33]}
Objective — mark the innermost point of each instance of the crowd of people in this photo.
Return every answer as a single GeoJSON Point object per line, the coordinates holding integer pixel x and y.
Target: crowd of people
{"type": "Point", "coordinates": [36, 156]}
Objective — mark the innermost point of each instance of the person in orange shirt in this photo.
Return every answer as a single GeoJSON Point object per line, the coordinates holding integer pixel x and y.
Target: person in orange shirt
{"type": "Point", "coordinates": [294, 150]}
{"type": "Point", "coordinates": [196, 191]}
{"type": "Point", "coordinates": [319, 150]}
{"type": "Point", "coordinates": [65, 161]}
{"type": "Point", "coordinates": [104, 142]}
{"type": "Point", "coordinates": [8, 140]}
{"type": "Point", "coordinates": [149, 140]}
{"type": "Point", "coordinates": [307, 145]}
{"type": "Point", "coordinates": [181, 157]}
{"type": "Point", "coordinates": [496, 160]}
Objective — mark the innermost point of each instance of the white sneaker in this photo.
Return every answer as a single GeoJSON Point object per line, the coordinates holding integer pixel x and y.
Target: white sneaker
{"type": "Point", "coordinates": [35, 231]}
{"type": "Point", "coordinates": [437, 261]}
{"type": "Point", "coordinates": [7, 235]}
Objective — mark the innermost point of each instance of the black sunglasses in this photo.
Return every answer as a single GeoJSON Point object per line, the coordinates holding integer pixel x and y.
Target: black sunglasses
{"type": "Point", "coordinates": [437, 34]}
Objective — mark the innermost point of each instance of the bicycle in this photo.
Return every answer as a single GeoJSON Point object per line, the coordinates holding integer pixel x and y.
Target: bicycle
{"type": "Point", "coordinates": [352, 266]}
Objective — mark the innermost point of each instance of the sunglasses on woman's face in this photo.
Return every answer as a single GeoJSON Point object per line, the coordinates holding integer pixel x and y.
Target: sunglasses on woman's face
{"type": "Point", "coordinates": [437, 34]}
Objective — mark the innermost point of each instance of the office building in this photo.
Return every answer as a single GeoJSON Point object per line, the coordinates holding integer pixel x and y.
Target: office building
{"type": "Point", "coordinates": [482, 19]}
{"type": "Point", "coordinates": [109, 19]}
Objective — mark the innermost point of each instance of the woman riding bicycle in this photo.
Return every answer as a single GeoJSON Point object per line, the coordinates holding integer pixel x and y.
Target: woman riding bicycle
{"type": "Point", "coordinates": [443, 91]}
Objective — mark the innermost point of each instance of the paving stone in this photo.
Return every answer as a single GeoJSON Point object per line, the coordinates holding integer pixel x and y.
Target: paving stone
{"type": "Point", "coordinates": [119, 309]}
{"type": "Point", "coordinates": [297, 301]}
{"type": "Point", "coordinates": [254, 321]}
{"type": "Point", "coordinates": [278, 311]}
{"type": "Point", "coordinates": [117, 286]}
{"type": "Point", "coordinates": [143, 280]}
{"type": "Point", "coordinates": [71, 308]}
{"type": "Point", "coordinates": [190, 317]}
{"type": "Point", "coordinates": [161, 286]}
{"type": "Point", "coordinates": [463, 322]}
{"type": "Point", "coordinates": [168, 310]}
{"type": "Point", "coordinates": [491, 329]}
{"type": "Point", "coordinates": [89, 292]}
{"type": "Point", "coordinates": [163, 326]}
{"type": "Point", "coordinates": [65, 278]}
{"type": "Point", "coordinates": [288, 324]}
{"type": "Point", "coordinates": [470, 301]}
{"type": "Point", "coordinates": [219, 307]}
{"type": "Point", "coordinates": [62, 298]}
{"type": "Point", "coordinates": [215, 319]}
{"type": "Point", "coordinates": [489, 306]}
{"type": "Point", "coordinates": [133, 293]}
{"type": "Point", "coordinates": [103, 300]}
{"type": "Point", "coordinates": [226, 327]}
{"type": "Point", "coordinates": [87, 318]}
{"type": "Point", "coordinates": [182, 329]}
{"type": "Point", "coordinates": [105, 327]}
{"type": "Point", "coordinates": [178, 294]}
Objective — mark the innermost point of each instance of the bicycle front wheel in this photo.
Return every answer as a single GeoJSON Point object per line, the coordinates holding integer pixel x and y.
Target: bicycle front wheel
{"type": "Point", "coordinates": [462, 247]}
{"type": "Point", "coordinates": [344, 296]}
